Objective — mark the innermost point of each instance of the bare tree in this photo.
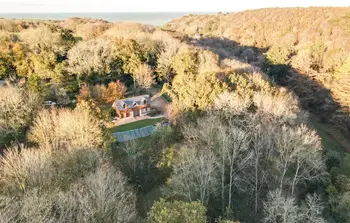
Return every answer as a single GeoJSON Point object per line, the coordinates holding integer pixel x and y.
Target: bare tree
{"type": "Point", "coordinates": [169, 48]}
{"type": "Point", "coordinates": [281, 107]}
{"type": "Point", "coordinates": [208, 62]}
{"type": "Point", "coordinates": [194, 175]}
{"type": "Point", "coordinates": [262, 148]}
{"type": "Point", "coordinates": [45, 168]}
{"type": "Point", "coordinates": [17, 110]}
{"type": "Point", "coordinates": [312, 210]}
{"type": "Point", "coordinates": [143, 76]}
{"type": "Point", "coordinates": [101, 196]}
{"type": "Point", "coordinates": [43, 185]}
{"type": "Point", "coordinates": [92, 30]}
{"type": "Point", "coordinates": [92, 57]}
{"type": "Point", "coordinates": [64, 128]}
{"type": "Point", "coordinates": [129, 30]}
{"type": "Point", "coordinates": [279, 209]}
{"type": "Point", "coordinates": [43, 39]}
{"type": "Point", "coordinates": [105, 196]}
{"type": "Point", "coordinates": [232, 104]}
{"type": "Point", "coordinates": [253, 154]}
{"type": "Point", "coordinates": [134, 153]}
{"type": "Point", "coordinates": [230, 147]}
{"type": "Point", "coordinates": [298, 149]}
{"type": "Point", "coordinates": [235, 145]}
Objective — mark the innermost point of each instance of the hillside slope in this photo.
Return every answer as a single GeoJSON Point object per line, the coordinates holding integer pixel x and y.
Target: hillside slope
{"type": "Point", "coordinates": [306, 49]}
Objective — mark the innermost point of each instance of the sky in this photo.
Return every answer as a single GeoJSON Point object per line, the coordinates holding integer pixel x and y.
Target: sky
{"type": "Point", "coordinates": [10, 6]}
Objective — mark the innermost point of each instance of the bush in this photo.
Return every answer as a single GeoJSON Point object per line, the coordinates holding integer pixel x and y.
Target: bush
{"type": "Point", "coordinates": [177, 212]}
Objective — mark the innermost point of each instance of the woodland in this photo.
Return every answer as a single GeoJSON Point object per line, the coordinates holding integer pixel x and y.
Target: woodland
{"type": "Point", "coordinates": [259, 106]}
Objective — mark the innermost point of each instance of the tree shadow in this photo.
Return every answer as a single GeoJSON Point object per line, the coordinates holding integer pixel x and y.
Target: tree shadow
{"type": "Point", "coordinates": [313, 95]}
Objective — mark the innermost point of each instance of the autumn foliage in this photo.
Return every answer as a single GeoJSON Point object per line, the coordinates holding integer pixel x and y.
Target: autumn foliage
{"type": "Point", "coordinates": [305, 49]}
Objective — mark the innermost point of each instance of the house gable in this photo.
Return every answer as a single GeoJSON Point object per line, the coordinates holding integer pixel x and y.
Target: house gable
{"type": "Point", "coordinates": [128, 103]}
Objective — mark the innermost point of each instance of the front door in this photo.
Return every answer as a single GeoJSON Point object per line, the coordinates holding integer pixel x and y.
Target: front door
{"type": "Point", "coordinates": [136, 112]}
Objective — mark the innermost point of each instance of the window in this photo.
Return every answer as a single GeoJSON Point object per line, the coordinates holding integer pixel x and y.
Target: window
{"type": "Point", "coordinates": [124, 105]}
{"type": "Point", "coordinates": [144, 101]}
{"type": "Point", "coordinates": [134, 104]}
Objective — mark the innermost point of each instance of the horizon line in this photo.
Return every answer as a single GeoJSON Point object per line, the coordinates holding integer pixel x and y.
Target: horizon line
{"type": "Point", "coordinates": [218, 11]}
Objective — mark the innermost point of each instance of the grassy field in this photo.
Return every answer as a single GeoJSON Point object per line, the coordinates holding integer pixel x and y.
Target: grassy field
{"type": "Point", "coordinates": [135, 125]}
{"type": "Point", "coordinates": [332, 139]}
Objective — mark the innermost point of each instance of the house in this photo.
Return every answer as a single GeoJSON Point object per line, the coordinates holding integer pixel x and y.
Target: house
{"type": "Point", "coordinates": [49, 104]}
{"type": "Point", "coordinates": [132, 107]}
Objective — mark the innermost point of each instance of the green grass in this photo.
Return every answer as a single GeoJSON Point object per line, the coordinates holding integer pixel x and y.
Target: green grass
{"type": "Point", "coordinates": [135, 125]}
{"type": "Point", "coordinates": [166, 97]}
{"type": "Point", "coordinates": [329, 143]}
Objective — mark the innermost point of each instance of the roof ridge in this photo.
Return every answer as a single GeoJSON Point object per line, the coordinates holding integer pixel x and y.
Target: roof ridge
{"type": "Point", "coordinates": [140, 96]}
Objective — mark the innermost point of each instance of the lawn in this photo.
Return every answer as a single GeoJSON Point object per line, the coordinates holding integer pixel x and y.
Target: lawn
{"type": "Point", "coordinates": [135, 125]}
{"type": "Point", "coordinates": [166, 97]}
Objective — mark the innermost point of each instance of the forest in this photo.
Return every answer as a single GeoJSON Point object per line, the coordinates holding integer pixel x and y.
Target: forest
{"type": "Point", "coordinates": [258, 106]}
{"type": "Point", "coordinates": [304, 49]}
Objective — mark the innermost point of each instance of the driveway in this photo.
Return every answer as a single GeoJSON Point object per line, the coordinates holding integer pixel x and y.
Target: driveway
{"type": "Point", "coordinates": [160, 104]}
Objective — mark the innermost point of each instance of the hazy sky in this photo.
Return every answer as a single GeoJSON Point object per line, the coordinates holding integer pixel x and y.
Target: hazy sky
{"type": "Point", "coordinates": [155, 5]}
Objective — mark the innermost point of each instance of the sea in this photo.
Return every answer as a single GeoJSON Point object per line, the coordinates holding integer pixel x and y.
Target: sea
{"type": "Point", "coordinates": [151, 18]}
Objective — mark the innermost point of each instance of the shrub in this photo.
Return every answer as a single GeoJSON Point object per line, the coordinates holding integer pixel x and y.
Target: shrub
{"type": "Point", "coordinates": [177, 212]}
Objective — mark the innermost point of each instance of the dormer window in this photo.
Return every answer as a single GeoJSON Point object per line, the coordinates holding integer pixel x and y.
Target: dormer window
{"type": "Point", "coordinates": [134, 104]}
{"type": "Point", "coordinates": [124, 105]}
{"type": "Point", "coordinates": [144, 101]}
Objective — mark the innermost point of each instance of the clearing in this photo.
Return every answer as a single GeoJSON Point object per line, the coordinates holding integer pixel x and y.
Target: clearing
{"type": "Point", "coordinates": [332, 138]}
